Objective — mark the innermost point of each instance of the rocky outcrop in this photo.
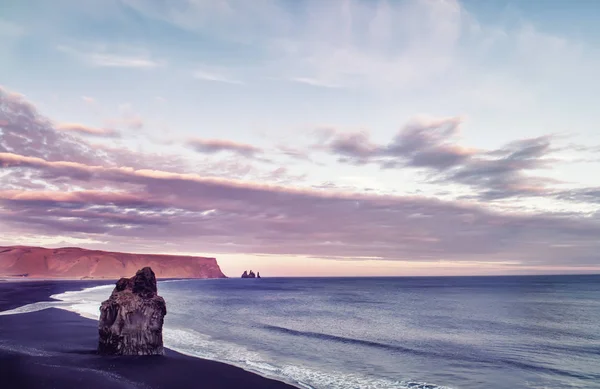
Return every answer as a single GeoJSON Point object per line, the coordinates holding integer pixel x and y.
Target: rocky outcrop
{"type": "Point", "coordinates": [131, 320]}
{"type": "Point", "coordinates": [250, 274]}
{"type": "Point", "coordinates": [74, 262]}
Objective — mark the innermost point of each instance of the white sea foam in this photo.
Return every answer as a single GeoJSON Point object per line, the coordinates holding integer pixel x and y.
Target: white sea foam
{"type": "Point", "coordinates": [84, 302]}
{"type": "Point", "coordinates": [77, 294]}
{"type": "Point", "coordinates": [33, 307]}
{"type": "Point", "coordinates": [195, 344]}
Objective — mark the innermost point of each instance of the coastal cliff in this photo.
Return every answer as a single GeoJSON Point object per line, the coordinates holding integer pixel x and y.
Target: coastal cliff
{"type": "Point", "coordinates": [73, 262]}
{"type": "Point", "coordinates": [131, 320]}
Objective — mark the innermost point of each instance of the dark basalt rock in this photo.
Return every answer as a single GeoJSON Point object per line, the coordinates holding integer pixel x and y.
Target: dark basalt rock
{"type": "Point", "coordinates": [144, 283]}
{"type": "Point", "coordinates": [131, 320]}
{"type": "Point", "coordinates": [249, 275]}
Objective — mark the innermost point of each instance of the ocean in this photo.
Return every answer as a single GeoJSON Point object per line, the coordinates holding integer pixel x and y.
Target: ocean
{"type": "Point", "coordinates": [539, 332]}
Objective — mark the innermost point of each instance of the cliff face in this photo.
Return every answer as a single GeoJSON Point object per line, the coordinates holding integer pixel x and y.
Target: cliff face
{"type": "Point", "coordinates": [72, 262]}
{"type": "Point", "coordinates": [131, 320]}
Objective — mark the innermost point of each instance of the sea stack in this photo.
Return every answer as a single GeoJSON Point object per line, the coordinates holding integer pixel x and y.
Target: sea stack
{"type": "Point", "coordinates": [131, 320]}
{"type": "Point", "coordinates": [248, 275]}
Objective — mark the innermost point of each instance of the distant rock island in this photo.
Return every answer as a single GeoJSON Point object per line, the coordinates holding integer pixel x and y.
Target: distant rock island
{"type": "Point", "coordinates": [78, 263]}
{"type": "Point", "coordinates": [131, 320]}
{"type": "Point", "coordinates": [251, 274]}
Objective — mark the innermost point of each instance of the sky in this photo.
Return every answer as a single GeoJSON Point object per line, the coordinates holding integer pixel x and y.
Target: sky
{"type": "Point", "coordinates": [306, 138]}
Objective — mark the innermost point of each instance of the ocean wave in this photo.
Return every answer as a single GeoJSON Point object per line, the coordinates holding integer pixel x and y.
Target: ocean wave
{"type": "Point", "coordinates": [479, 359]}
{"type": "Point", "coordinates": [170, 281]}
{"type": "Point", "coordinates": [341, 339]}
{"type": "Point", "coordinates": [192, 343]}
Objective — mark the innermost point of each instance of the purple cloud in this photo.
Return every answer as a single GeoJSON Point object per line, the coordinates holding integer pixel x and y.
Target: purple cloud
{"type": "Point", "coordinates": [272, 219]}
{"type": "Point", "coordinates": [501, 173]}
{"type": "Point", "coordinates": [432, 145]}
{"type": "Point", "coordinates": [25, 131]}
{"type": "Point", "coordinates": [356, 147]}
{"type": "Point", "coordinates": [211, 146]}
{"type": "Point", "coordinates": [136, 201]}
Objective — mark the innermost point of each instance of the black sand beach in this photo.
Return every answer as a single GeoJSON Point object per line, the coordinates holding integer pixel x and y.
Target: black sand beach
{"type": "Point", "coordinates": [55, 349]}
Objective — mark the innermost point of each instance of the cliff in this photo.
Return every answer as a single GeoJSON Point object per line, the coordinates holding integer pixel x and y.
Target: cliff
{"type": "Point", "coordinates": [131, 320]}
{"type": "Point", "coordinates": [72, 262]}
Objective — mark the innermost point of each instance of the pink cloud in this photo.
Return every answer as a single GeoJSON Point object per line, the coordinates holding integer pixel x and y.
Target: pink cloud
{"type": "Point", "coordinates": [88, 130]}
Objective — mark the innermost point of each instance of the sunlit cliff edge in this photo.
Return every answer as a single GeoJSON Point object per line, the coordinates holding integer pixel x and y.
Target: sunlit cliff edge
{"type": "Point", "coordinates": [77, 263]}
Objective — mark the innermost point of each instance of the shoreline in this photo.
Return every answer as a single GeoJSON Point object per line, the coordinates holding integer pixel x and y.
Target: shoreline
{"type": "Point", "coordinates": [57, 348]}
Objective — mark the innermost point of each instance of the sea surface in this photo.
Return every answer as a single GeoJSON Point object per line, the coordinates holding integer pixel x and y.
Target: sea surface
{"type": "Point", "coordinates": [539, 332]}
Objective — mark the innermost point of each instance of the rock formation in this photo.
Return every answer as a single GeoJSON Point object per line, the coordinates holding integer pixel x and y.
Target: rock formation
{"type": "Point", "coordinates": [131, 320]}
{"type": "Point", "coordinates": [257, 274]}
{"type": "Point", "coordinates": [73, 262]}
{"type": "Point", "coordinates": [248, 275]}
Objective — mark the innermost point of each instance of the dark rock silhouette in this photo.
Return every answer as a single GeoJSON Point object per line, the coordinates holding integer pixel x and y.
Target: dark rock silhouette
{"type": "Point", "coordinates": [257, 274]}
{"type": "Point", "coordinates": [131, 320]}
{"type": "Point", "coordinates": [249, 275]}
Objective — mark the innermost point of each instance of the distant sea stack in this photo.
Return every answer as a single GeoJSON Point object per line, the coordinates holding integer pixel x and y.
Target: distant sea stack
{"type": "Point", "coordinates": [131, 320]}
{"type": "Point", "coordinates": [76, 263]}
{"type": "Point", "coordinates": [250, 274]}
